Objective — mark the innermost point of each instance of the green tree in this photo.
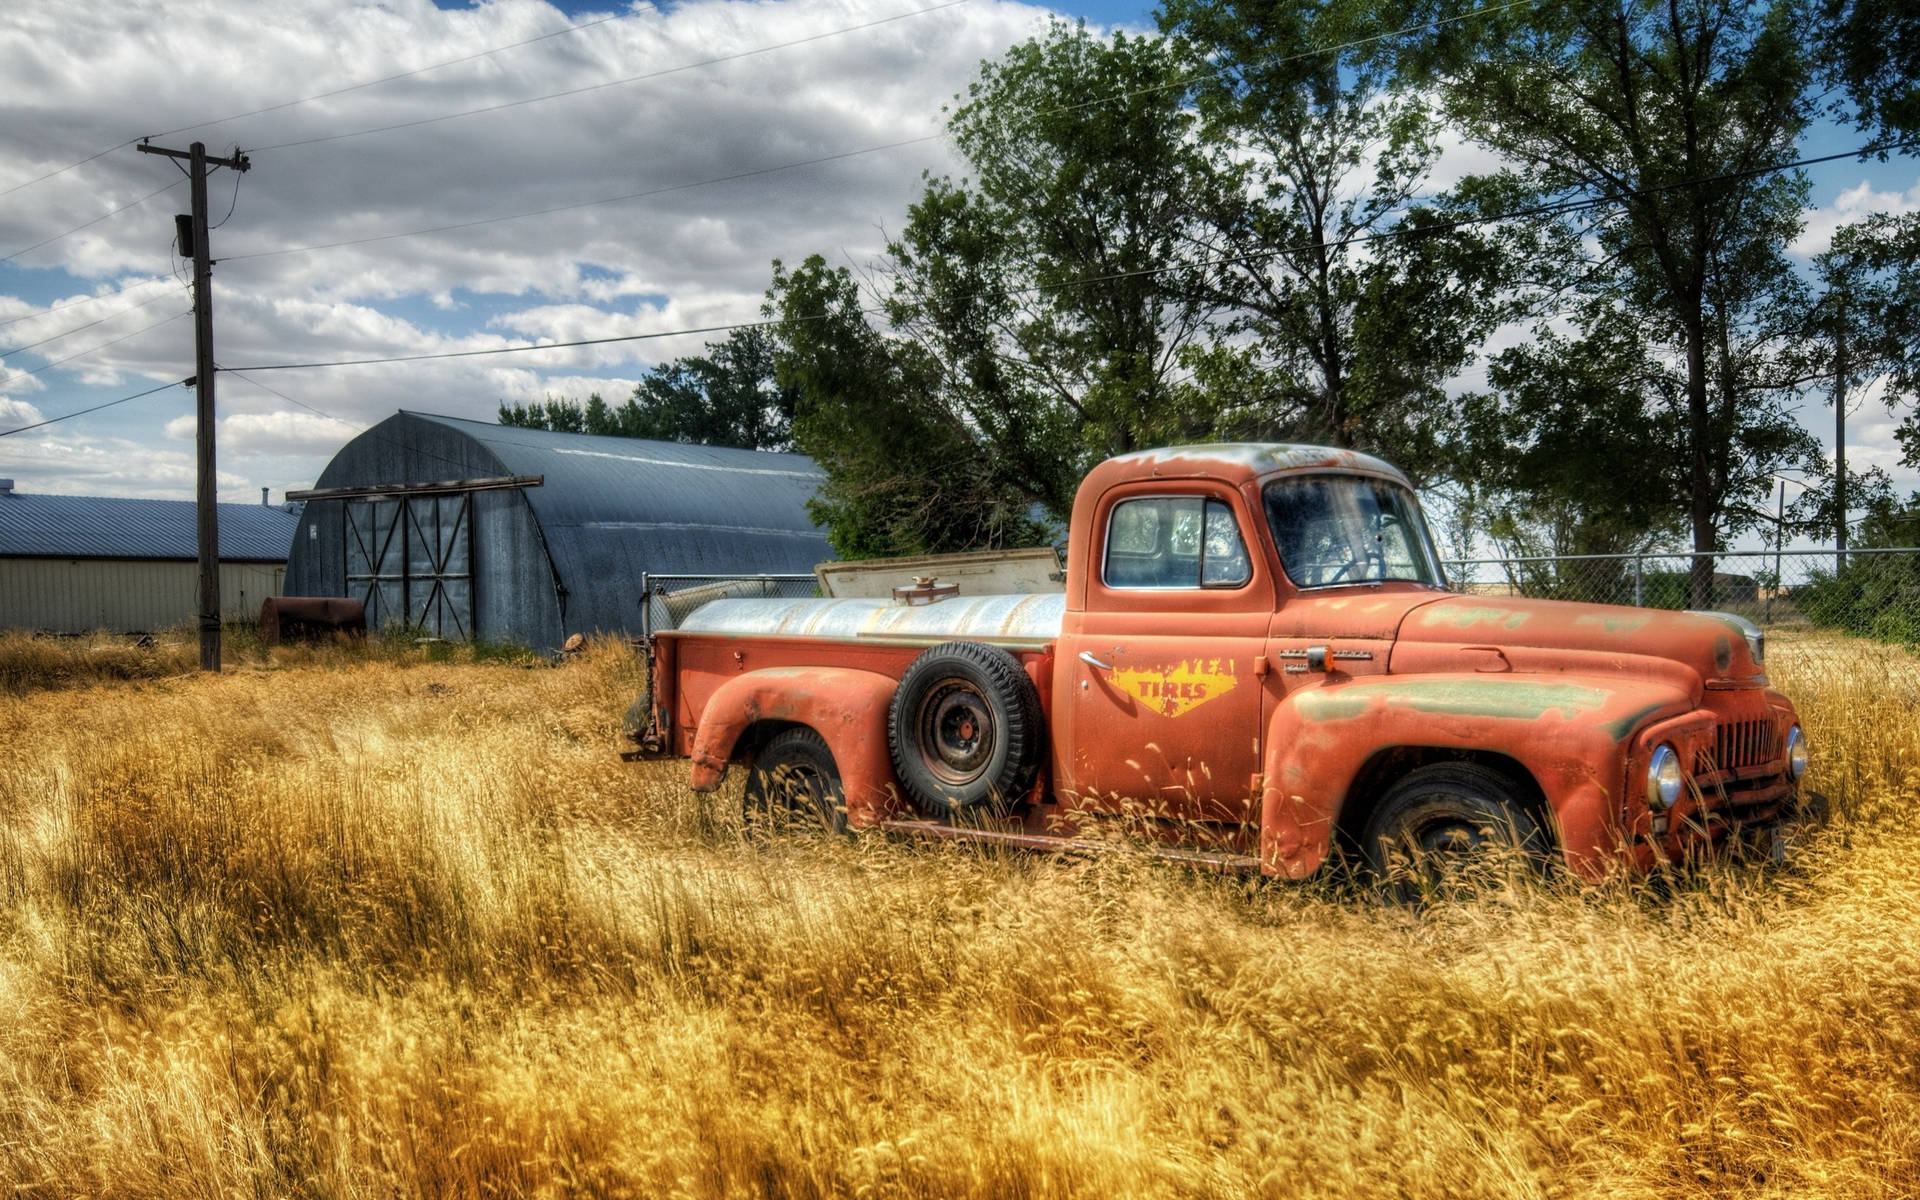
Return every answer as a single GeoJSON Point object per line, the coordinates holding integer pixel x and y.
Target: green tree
{"type": "Point", "coordinates": [728, 396]}
{"type": "Point", "coordinates": [1313, 155]}
{"type": "Point", "coordinates": [905, 473]}
{"type": "Point", "coordinates": [1045, 287]}
{"type": "Point", "coordinates": [1652, 117]}
{"type": "Point", "coordinates": [1871, 48]}
{"type": "Point", "coordinates": [1573, 442]}
{"type": "Point", "coordinates": [556, 414]}
{"type": "Point", "coordinates": [725, 397]}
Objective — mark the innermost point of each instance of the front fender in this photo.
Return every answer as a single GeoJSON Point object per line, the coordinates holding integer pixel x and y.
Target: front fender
{"type": "Point", "coordinates": [846, 707]}
{"type": "Point", "coordinates": [1569, 732]}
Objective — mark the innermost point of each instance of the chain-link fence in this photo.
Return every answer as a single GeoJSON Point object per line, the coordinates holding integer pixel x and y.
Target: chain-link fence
{"type": "Point", "coordinates": [669, 598]}
{"type": "Point", "coordinates": [1820, 611]}
{"type": "Point", "coordinates": [1813, 604]}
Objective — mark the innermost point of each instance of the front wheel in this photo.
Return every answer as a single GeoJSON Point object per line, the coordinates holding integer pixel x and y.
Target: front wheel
{"type": "Point", "coordinates": [794, 786]}
{"type": "Point", "coordinates": [1452, 823]}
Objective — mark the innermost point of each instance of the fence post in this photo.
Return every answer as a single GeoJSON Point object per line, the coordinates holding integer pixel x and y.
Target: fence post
{"type": "Point", "coordinates": [646, 606]}
{"type": "Point", "coordinates": [1639, 581]}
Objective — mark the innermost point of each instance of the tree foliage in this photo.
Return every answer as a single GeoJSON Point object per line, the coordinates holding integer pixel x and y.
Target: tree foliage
{"type": "Point", "coordinates": [1046, 286]}
{"type": "Point", "coordinates": [1346, 299]}
{"type": "Point", "coordinates": [905, 474]}
{"type": "Point", "coordinates": [1231, 231]}
{"type": "Point", "coordinates": [725, 397]}
{"type": "Point", "coordinates": [1649, 121]}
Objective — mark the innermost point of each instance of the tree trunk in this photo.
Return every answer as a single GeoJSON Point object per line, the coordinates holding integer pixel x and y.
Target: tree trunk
{"type": "Point", "coordinates": [1701, 501]}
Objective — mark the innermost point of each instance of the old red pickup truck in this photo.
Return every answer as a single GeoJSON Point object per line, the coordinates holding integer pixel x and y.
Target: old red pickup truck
{"type": "Point", "coordinates": [1256, 662]}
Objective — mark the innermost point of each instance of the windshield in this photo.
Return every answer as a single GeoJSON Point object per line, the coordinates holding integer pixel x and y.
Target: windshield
{"type": "Point", "coordinates": [1341, 529]}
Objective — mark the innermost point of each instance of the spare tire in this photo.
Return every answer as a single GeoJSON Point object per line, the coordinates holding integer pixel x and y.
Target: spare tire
{"type": "Point", "coordinates": [965, 729]}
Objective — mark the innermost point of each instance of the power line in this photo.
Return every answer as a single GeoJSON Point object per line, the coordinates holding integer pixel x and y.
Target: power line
{"type": "Point", "coordinates": [719, 179]}
{"type": "Point", "coordinates": [96, 408]}
{"type": "Point", "coordinates": [605, 341]}
{"type": "Point", "coordinates": [1551, 208]}
{"type": "Point", "coordinates": [70, 166]}
{"type": "Point", "coordinates": [359, 431]}
{"type": "Point", "coordinates": [89, 224]}
{"type": "Point", "coordinates": [339, 91]}
{"type": "Point", "coordinates": [496, 108]}
{"type": "Point", "coordinates": [355, 87]}
{"type": "Point", "coordinates": [48, 366]}
{"type": "Point", "coordinates": [558, 208]}
{"type": "Point", "coordinates": [289, 399]}
{"type": "Point", "coordinates": [1278, 59]}
{"type": "Point", "coordinates": [118, 312]}
{"type": "Point", "coordinates": [595, 87]}
{"type": "Point", "coordinates": [66, 304]}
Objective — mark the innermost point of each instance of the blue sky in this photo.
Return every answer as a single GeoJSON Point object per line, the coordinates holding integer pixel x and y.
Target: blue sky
{"type": "Point", "coordinates": [292, 288]}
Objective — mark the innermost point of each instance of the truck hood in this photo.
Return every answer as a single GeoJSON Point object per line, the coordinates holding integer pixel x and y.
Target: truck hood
{"type": "Point", "coordinates": [1495, 634]}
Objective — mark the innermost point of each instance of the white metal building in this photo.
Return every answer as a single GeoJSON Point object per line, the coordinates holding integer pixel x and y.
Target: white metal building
{"type": "Point", "coordinates": [71, 564]}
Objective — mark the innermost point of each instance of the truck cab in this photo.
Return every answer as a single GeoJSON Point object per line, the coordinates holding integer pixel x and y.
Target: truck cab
{"type": "Point", "coordinates": [1257, 655]}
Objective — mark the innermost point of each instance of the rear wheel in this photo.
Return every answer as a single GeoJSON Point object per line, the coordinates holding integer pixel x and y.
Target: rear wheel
{"type": "Point", "coordinates": [794, 786]}
{"type": "Point", "coordinates": [1449, 826]}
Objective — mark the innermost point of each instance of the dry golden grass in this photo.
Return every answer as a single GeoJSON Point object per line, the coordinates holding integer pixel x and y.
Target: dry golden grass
{"type": "Point", "coordinates": [367, 927]}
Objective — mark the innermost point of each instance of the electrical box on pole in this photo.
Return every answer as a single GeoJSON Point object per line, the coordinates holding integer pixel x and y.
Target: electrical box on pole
{"type": "Point", "coordinates": [192, 234]}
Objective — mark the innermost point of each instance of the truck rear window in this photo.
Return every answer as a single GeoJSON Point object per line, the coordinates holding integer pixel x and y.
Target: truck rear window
{"type": "Point", "coordinates": [1174, 542]}
{"type": "Point", "coordinates": [1340, 529]}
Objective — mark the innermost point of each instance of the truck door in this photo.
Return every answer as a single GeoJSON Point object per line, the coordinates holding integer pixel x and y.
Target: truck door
{"type": "Point", "coordinates": [1159, 681]}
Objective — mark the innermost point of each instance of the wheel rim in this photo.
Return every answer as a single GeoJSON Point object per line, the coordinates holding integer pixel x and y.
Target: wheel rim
{"type": "Point", "coordinates": [955, 732]}
{"type": "Point", "coordinates": [795, 795]}
{"type": "Point", "coordinates": [1446, 848]}
{"type": "Point", "coordinates": [1451, 838]}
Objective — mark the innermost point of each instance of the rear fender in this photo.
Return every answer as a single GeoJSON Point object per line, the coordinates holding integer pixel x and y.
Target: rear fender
{"type": "Point", "coordinates": [846, 707]}
{"type": "Point", "coordinates": [1570, 733]}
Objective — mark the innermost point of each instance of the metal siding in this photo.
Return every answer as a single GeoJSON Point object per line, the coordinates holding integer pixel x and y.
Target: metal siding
{"type": "Point", "coordinates": [119, 527]}
{"type": "Point", "coordinates": [124, 595]}
{"type": "Point", "coordinates": [610, 510]}
{"type": "Point", "coordinates": [613, 509]}
{"type": "Point", "coordinates": [317, 566]}
{"type": "Point", "coordinates": [513, 588]}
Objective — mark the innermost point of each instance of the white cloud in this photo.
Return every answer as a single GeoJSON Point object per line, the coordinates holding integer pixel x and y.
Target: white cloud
{"type": "Point", "coordinates": [684, 256]}
{"type": "Point", "coordinates": [1854, 204]}
{"type": "Point", "coordinates": [15, 413]}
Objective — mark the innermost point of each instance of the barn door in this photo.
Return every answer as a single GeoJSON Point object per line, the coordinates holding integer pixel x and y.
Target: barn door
{"type": "Point", "coordinates": [439, 565]}
{"type": "Point", "coordinates": [410, 560]}
{"type": "Point", "coordinates": [376, 559]}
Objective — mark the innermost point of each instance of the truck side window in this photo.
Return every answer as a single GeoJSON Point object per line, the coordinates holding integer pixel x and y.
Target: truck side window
{"type": "Point", "coordinates": [1174, 542]}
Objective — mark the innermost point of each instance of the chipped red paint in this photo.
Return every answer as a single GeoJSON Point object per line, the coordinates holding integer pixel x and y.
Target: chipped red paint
{"type": "Point", "coordinates": [1263, 719]}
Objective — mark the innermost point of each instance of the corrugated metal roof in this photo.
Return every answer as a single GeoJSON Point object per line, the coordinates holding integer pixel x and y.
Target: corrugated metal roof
{"type": "Point", "coordinates": [43, 526]}
{"type": "Point", "coordinates": [614, 507]}
{"type": "Point", "coordinates": [677, 496]}
{"type": "Point", "coordinates": [608, 510]}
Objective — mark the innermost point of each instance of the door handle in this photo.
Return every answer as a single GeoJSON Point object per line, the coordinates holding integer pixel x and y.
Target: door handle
{"type": "Point", "coordinates": [1086, 656]}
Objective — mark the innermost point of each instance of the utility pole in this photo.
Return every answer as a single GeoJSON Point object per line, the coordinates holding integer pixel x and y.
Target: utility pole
{"type": "Point", "coordinates": [205, 493]}
{"type": "Point", "coordinates": [1779, 537]}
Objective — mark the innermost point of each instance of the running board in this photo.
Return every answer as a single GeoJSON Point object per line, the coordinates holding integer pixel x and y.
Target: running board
{"type": "Point", "coordinates": [1203, 860]}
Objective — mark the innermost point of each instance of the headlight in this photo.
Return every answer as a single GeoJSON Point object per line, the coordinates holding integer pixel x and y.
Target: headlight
{"type": "Point", "coordinates": [1797, 754]}
{"type": "Point", "coordinates": [1664, 781]}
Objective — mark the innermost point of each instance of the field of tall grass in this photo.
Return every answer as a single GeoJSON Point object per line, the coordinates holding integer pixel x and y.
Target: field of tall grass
{"type": "Point", "coordinates": [352, 923]}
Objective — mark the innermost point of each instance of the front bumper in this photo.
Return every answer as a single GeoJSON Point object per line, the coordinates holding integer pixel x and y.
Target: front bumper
{"type": "Point", "coordinates": [1739, 796]}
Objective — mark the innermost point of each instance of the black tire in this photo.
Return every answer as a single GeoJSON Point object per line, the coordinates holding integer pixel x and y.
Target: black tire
{"type": "Point", "coordinates": [793, 786]}
{"type": "Point", "coordinates": [1452, 824]}
{"type": "Point", "coordinates": [965, 730]}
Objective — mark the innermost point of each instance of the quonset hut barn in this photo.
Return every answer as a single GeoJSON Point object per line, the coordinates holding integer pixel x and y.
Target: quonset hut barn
{"type": "Point", "coordinates": [467, 529]}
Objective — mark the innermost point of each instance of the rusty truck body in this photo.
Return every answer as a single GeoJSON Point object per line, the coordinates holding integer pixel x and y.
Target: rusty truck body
{"type": "Point", "coordinates": [1255, 661]}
